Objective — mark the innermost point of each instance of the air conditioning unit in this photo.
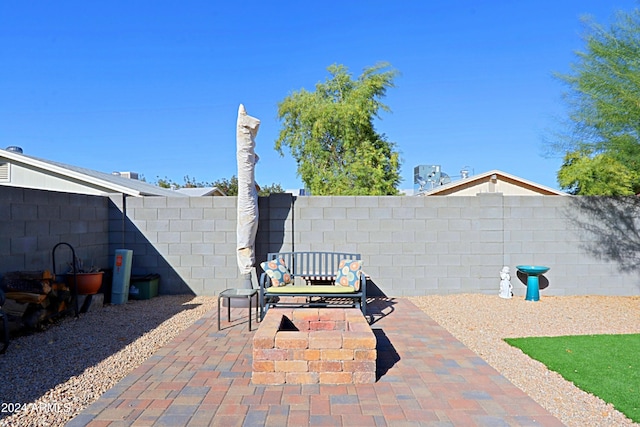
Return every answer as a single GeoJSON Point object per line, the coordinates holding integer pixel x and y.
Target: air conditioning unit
{"type": "Point", "coordinates": [130, 175]}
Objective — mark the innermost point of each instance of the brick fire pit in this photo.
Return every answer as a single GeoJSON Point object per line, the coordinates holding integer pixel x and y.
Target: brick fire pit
{"type": "Point", "coordinates": [314, 346]}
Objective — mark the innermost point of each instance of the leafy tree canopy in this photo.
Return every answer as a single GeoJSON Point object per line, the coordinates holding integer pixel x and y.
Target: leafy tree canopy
{"type": "Point", "coordinates": [228, 186]}
{"type": "Point", "coordinates": [600, 175]}
{"type": "Point", "coordinates": [331, 136]}
{"type": "Point", "coordinates": [601, 141]}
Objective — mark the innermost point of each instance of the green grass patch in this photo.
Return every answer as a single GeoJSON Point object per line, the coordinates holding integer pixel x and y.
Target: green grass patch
{"type": "Point", "coordinates": [607, 366]}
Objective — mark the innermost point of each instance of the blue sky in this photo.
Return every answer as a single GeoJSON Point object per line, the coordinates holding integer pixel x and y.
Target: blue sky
{"type": "Point", "coordinates": [154, 86]}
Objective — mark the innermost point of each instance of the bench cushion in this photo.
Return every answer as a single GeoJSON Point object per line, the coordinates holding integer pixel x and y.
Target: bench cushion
{"type": "Point", "coordinates": [349, 273]}
{"type": "Point", "coordinates": [311, 289]}
{"type": "Point", "coordinates": [278, 272]}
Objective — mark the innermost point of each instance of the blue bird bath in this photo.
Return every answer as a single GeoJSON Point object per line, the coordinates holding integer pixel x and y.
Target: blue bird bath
{"type": "Point", "coordinates": [533, 285]}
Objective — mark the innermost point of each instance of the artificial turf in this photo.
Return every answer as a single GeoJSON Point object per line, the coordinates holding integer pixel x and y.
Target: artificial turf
{"type": "Point", "coordinates": [607, 366]}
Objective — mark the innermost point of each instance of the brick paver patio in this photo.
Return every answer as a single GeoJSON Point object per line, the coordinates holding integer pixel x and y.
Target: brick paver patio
{"type": "Point", "coordinates": [425, 377]}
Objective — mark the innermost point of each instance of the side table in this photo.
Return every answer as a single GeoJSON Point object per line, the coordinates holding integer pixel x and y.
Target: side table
{"type": "Point", "coordinates": [229, 294]}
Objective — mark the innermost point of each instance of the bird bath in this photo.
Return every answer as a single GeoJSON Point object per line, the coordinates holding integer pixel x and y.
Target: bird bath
{"type": "Point", "coordinates": [533, 286]}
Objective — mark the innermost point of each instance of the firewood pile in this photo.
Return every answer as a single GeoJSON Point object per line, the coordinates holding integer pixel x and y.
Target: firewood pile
{"type": "Point", "coordinates": [35, 297]}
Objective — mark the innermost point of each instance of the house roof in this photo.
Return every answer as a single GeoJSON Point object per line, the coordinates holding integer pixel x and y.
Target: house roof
{"type": "Point", "coordinates": [201, 191]}
{"type": "Point", "coordinates": [106, 182]}
{"type": "Point", "coordinates": [492, 176]}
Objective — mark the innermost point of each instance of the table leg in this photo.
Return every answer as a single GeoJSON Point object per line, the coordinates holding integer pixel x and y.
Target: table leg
{"type": "Point", "coordinates": [257, 314]}
{"type": "Point", "coordinates": [219, 313]}
{"type": "Point", "coordinates": [250, 298]}
{"type": "Point", "coordinates": [228, 309]}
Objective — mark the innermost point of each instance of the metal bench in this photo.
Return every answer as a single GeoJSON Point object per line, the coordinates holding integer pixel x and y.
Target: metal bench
{"type": "Point", "coordinates": [315, 273]}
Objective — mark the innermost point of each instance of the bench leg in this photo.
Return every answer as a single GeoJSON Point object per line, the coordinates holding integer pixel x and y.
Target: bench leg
{"type": "Point", "coordinates": [261, 300]}
{"type": "Point", "coordinates": [265, 309]}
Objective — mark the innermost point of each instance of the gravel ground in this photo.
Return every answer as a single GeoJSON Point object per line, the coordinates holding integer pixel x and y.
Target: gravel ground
{"type": "Point", "coordinates": [50, 377]}
{"type": "Point", "coordinates": [482, 321]}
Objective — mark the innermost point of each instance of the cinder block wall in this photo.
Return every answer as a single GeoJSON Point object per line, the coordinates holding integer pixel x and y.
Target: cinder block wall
{"type": "Point", "coordinates": [410, 245]}
{"type": "Point", "coordinates": [32, 222]}
{"type": "Point", "coordinates": [440, 245]}
{"type": "Point", "coordinates": [189, 241]}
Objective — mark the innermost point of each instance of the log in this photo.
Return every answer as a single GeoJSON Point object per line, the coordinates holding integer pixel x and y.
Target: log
{"type": "Point", "coordinates": [27, 281]}
{"type": "Point", "coordinates": [27, 297]}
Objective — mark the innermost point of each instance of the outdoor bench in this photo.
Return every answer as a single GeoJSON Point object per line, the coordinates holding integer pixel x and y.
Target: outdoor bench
{"type": "Point", "coordinates": [313, 276]}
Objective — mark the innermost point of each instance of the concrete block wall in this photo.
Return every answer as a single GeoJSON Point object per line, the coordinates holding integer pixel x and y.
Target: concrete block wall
{"type": "Point", "coordinates": [32, 222]}
{"type": "Point", "coordinates": [410, 245]}
{"type": "Point", "coordinates": [189, 241]}
{"type": "Point", "coordinates": [439, 245]}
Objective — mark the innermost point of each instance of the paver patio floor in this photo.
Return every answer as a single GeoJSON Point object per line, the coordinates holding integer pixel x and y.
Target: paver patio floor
{"type": "Point", "coordinates": [426, 377]}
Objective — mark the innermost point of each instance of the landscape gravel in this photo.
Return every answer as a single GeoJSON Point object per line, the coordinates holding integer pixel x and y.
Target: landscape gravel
{"type": "Point", "coordinates": [49, 377]}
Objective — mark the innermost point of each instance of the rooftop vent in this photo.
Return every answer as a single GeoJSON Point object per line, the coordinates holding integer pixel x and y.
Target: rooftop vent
{"type": "Point", "coordinates": [14, 149]}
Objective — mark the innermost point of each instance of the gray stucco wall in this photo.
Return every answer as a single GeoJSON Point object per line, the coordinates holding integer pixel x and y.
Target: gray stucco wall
{"type": "Point", "coordinates": [410, 245]}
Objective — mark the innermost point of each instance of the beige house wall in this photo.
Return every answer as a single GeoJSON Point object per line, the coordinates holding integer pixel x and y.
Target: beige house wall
{"type": "Point", "coordinates": [25, 177]}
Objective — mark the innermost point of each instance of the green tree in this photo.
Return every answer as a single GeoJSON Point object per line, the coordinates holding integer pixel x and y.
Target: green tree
{"type": "Point", "coordinates": [331, 136]}
{"type": "Point", "coordinates": [601, 141]}
{"type": "Point", "coordinates": [188, 183]}
{"type": "Point", "coordinates": [600, 175]}
{"type": "Point", "coordinates": [270, 189]}
{"type": "Point", "coordinates": [228, 186]}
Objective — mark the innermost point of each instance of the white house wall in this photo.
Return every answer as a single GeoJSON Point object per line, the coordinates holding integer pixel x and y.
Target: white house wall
{"type": "Point", "coordinates": [21, 176]}
{"type": "Point", "coordinates": [506, 188]}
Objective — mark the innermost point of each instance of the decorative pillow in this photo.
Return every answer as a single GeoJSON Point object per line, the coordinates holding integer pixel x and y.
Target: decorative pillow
{"type": "Point", "coordinates": [349, 273]}
{"type": "Point", "coordinates": [278, 272]}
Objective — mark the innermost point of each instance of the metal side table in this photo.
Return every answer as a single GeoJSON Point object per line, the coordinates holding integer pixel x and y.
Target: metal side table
{"type": "Point", "coordinates": [229, 294]}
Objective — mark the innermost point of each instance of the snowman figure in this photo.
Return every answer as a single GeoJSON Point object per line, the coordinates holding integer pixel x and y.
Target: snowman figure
{"type": "Point", "coordinates": [505, 283]}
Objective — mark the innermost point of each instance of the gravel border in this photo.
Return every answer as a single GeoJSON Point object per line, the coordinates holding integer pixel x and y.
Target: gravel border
{"type": "Point", "coordinates": [78, 360]}
{"type": "Point", "coordinates": [481, 322]}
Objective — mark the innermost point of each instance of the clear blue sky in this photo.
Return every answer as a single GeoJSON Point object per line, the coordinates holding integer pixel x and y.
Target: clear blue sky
{"type": "Point", "coordinates": [154, 86]}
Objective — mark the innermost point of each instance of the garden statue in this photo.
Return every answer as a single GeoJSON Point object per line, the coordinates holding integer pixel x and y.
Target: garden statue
{"type": "Point", "coordinates": [505, 283]}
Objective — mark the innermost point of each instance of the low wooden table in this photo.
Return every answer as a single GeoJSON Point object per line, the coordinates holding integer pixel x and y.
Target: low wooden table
{"type": "Point", "coordinates": [237, 293]}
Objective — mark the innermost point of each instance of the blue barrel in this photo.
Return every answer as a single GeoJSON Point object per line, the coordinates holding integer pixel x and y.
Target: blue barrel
{"type": "Point", "coordinates": [121, 276]}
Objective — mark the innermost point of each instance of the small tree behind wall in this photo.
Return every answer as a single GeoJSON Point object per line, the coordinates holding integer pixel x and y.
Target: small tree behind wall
{"type": "Point", "coordinates": [331, 136]}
